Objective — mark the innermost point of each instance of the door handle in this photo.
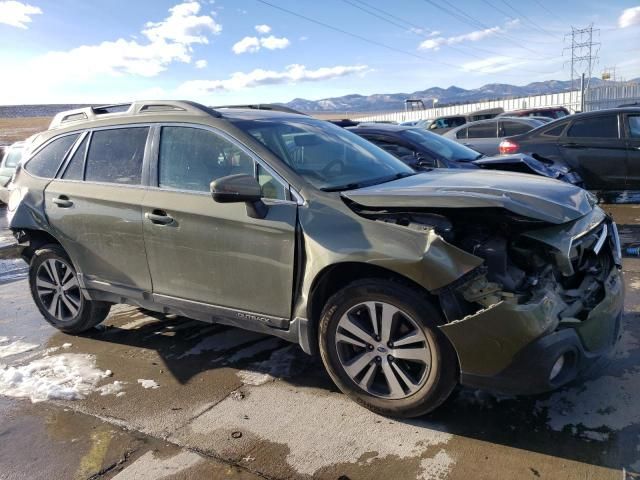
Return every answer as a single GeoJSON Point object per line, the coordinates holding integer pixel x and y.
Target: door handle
{"type": "Point", "coordinates": [159, 217]}
{"type": "Point", "coordinates": [572, 145]}
{"type": "Point", "coordinates": [63, 201]}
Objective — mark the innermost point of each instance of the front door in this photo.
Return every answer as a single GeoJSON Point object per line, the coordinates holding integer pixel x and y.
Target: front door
{"type": "Point", "coordinates": [95, 208]}
{"type": "Point", "coordinates": [214, 254]}
{"type": "Point", "coordinates": [594, 148]}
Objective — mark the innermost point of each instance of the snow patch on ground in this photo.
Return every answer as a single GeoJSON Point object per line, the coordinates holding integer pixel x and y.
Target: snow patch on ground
{"type": "Point", "coordinates": [609, 402]}
{"type": "Point", "coordinates": [148, 383]}
{"type": "Point", "coordinates": [4, 339]}
{"type": "Point", "coordinates": [62, 377]}
{"type": "Point", "coordinates": [67, 345]}
{"type": "Point", "coordinates": [437, 467]}
{"type": "Point", "coordinates": [635, 285]}
{"type": "Point", "coordinates": [111, 388]}
{"type": "Point", "coordinates": [15, 348]}
{"type": "Point", "coordinates": [282, 363]}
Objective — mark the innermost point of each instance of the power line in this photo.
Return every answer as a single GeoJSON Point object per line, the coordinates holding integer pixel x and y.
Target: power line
{"type": "Point", "coordinates": [403, 27]}
{"type": "Point", "coordinates": [476, 24]}
{"type": "Point", "coordinates": [528, 19]}
{"type": "Point", "coordinates": [351, 34]}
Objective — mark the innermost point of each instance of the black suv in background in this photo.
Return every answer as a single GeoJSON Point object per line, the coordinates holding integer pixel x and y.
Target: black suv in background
{"type": "Point", "coordinates": [602, 147]}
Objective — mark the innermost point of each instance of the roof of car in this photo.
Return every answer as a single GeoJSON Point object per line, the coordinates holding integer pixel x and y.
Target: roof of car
{"type": "Point", "coordinates": [141, 108]}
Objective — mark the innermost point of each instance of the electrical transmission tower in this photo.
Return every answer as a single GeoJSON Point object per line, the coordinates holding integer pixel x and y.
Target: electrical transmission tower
{"type": "Point", "coordinates": [584, 56]}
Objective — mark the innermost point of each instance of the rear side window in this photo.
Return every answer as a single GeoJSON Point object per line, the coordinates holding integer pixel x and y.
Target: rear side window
{"type": "Point", "coordinates": [75, 167]}
{"type": "Point", "coordinates": [115, 155]}
{"type": "Point", "coordinates": [46, 162]}
{"type": "Point", "coordinates": [634, 126]}
{"type": "Point", "coordinates": [462, 133]}
{"type": "Point", "coordinates": [605, 126]}
{"type": "Point", "coordinates": [483, 130]}
{"type": "Point", "coordinates": [514, 128]}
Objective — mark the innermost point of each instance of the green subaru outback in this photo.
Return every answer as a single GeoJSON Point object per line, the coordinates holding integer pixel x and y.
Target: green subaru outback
{"type": "Point", "coordinates": [406, 283]}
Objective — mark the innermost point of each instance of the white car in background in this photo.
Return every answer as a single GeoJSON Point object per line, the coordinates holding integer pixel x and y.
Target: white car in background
{"type": "Point", "coordinates": [8, 164]}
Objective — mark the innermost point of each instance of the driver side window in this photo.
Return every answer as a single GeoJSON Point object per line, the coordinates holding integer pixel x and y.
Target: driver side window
{"type": "Point", "coordinates": [191, 158]}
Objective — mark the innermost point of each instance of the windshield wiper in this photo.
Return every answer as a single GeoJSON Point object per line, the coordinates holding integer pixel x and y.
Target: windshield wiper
{"type": "Point", "coordinates": [378, 181]}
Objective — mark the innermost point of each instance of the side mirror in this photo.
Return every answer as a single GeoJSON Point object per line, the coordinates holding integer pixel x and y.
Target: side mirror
{"type": "Point", "coordinates": [240, 188]}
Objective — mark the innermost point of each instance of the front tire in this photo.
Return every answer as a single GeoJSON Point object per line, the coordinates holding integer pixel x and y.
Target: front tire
{"type": "Point", "coordinates": [381, 345]}
{"type": "Point", "coordinates": [56, 292]}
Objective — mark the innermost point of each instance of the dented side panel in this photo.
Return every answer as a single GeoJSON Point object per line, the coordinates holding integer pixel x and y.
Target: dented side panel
{"type": "Point", "coordinates": [333, 234]}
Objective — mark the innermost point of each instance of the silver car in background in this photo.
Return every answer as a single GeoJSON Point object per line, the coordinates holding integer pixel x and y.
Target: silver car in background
{"type": "Point", "coordinates": [8, 165]}
{"type": "Point", "coordinates": [485, 135]}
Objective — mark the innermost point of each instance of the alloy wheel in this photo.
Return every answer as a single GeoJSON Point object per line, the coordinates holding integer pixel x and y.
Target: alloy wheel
{"type": "Point", "coordinates": [58, 289]}
{"type": "Point", "coordinates": [383, 350]}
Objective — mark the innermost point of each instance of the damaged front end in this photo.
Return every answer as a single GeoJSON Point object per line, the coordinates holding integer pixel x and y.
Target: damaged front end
{"type": "Point", "coordinates": [522, 163]}
{"type": "Point", "coordinates": [546, 301]}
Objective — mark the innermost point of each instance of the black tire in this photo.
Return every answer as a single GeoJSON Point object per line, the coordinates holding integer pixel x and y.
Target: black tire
{"type": "Point", "coordinates": [90, 313]}
{"type": "Point", "coordinates": [442, 376]}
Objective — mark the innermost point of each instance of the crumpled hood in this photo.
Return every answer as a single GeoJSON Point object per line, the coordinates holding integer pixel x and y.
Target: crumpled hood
{"type": "Point", "coordinates": [528, 195]}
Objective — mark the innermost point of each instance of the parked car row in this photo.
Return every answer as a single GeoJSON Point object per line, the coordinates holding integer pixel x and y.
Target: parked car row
{"type": "Point", "coordinates": [407, 282]}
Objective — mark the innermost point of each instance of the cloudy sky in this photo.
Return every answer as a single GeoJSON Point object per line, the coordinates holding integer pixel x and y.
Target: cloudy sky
{"type": "Point", "coordinates": [237, 51]}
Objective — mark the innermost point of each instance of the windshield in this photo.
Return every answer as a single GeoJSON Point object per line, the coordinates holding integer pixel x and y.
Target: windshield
{"type": "Point", "coordinates": [327, 156]}
{"type": "Point", "coordinates": [441, 147]}
{"type": "Point", "coordinates": [13, 157]}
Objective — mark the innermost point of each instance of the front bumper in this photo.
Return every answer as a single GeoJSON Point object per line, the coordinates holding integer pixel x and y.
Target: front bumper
{"type": "Point", "coordinates": [511, 348]}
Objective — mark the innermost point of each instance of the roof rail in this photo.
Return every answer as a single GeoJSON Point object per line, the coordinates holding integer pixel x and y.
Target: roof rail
{"type": "Point", "coordinates": [140, 107]}
{"type": "Point", "coordinates": [266, 106]}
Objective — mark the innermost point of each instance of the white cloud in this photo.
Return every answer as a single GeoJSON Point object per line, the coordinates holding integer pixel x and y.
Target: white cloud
{"type": "Point", "coordinates": [246, 45]}
{"type": "Point", "coordinates": [254, 44]}
{"type": "Point", "coordinates": [492, 65]}
{"type": "Point", "coordinates": [263, 29]}
{"type": "Point", "coordinates": [169, 41]}
{"type": "Point", "coordinates": [629, 17]}
{"type": "Point", "coordinates": [274, 43]}
{"type": "Point", "coordinates": [183, 26]}
{"type": "Point", "coordinates": [201, 64]}
{"type": "Point", "coordinates": [291, 74]}
{"type": "Point", "coordinates": [438, 41]}
{"type": "Point", "coordinates": [17, 14]}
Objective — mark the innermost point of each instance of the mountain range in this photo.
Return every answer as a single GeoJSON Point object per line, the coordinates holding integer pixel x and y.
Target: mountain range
{"type": "Point", "coordinates": [445, 96]}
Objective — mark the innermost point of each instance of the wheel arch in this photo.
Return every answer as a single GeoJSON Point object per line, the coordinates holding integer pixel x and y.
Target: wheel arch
{"type": "Point", "coordinates": [334, 277]}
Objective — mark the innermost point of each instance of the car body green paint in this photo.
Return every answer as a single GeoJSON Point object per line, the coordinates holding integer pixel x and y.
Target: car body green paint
{"type": "Point", "coordinates": [110, 244]}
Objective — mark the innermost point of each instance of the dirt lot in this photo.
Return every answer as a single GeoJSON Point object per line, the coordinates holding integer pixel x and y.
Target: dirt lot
{"type": "Point", "coordinates": [165, 397]}
{"type": "Point", "coordinates": [15, 129]}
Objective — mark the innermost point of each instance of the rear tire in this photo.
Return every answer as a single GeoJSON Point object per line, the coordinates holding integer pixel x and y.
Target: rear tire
{"type": "Point", "coordinates": [381, 345]}
{"type": "Point", "coordinates": [55, 290]}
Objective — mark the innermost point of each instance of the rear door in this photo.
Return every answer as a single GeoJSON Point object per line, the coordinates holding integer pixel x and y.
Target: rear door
{"type": "Point", "coordinates": [95, 207]}
{"type": "Point", "coordinates": [483, 137]}
{"type": "Point", "coordinates": [594, 147]}
{"type": "Point", "coordinates": [632, 129]}
{"type": "Point", "coordinates": [214, 256]}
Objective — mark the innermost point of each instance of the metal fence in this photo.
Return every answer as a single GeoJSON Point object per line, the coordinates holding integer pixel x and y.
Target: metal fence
{"type": "Point", "coordinates": [610, 96]}
{"type": "Point", "coordinates": [596, 98]}
{"type": "Point", "coordinates": [570, 100]}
